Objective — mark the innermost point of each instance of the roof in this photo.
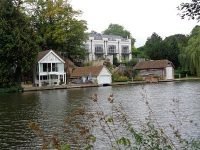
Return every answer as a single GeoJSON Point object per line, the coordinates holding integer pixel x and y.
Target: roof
{"type": "Point", "coordinates": [99, 36]}
{"type": "Point", "coordinates": [82, 71]}
{"type": "Point", "coordinates": [153, 64]}
{"type": "Point", "coordinates": [42, 54]}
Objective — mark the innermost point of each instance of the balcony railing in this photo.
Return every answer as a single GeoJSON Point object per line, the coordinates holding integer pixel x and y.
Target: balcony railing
{"type": "Point", "coordinates": [112, 52]}
{"type": "Point", "coordinates": [125, 52]}
{"type": "Point", "coordinates": [98, 51]}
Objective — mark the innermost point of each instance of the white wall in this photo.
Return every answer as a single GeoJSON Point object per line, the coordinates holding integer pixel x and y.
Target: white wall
{"type": "Point", "coordinates": [104, 77]}
{"type": "Point", "coordinates": [50, 58]}
{"type": "Point", "coordinates": [60, 67]}
{"type": "Point", "coordinates": [169, 73]}
{"type": "Point", "coordinates": [91, 46]}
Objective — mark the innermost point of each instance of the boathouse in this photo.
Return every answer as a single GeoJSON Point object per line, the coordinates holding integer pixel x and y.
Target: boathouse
{"type": "Point", "coordinates": [49, 69]}
{"type": "Point", "coordinates": [160, 69]}
{"type": "Point", "coordinates": [93, 74]}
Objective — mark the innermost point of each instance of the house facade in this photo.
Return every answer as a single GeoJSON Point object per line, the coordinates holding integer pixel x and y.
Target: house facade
{"type": "Point", "coordinates": [93, 74]}
{"type": "Point", "coordinates": [162, 69]}
{"type": "Point", "coordinates": [99, 46]}
{"type": "Point", "coordinates": [49, 70]}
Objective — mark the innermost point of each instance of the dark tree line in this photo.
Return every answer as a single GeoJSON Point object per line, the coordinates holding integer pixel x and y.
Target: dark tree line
{"type": "Point", "coordinates": [183, 51]}
{"type": "Point", "coordinates": [156, 48]}
{"type": "Point", "coordinates": [27, 27]}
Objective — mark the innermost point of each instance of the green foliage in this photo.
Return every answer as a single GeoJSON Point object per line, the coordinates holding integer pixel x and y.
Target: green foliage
{"type": "Point", "coordinates": [169, 48]}
{"type": "Point", "coordinates": [131, 62]}
{"type": "Point", "coordinates": [153, 47]}
{"type": "Point", "coordinates": [174, 45]}
{"type": "Point", "coordinates": [119, 78]}
{"type": "Point", "coordinates": [137, 78]}
{"type": "Point", "coordinates": [115, 61]}
{"type": "Point", "coordinates": [190, 56]}
{"type": "Point", "coordinates": [138, 53]}
{"type": "Point", "coordinates": [17, 43]}
{"type": "Point", "coordinates": [124, 141]}
{"type": "Point", "coordinates": [116, 29]}
{"type": "Point", "coordinates": [65, 147]}
{"type": "Point", "coordinates": [57, 26]}
{"type": "Point", "coordinates": [13, 89]}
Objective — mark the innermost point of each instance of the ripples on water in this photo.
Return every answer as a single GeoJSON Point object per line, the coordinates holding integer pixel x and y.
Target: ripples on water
{"type": "Point", "coordinates": [50, 108]}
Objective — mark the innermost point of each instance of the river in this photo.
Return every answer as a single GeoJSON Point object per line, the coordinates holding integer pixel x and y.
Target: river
{"type": "Point", "coordinates": [50, 108]}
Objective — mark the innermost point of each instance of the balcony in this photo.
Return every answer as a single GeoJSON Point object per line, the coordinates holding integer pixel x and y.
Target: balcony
{"type": "Point", "coordinates": [99, 51]}
{"type": "Point", "coordinates": [125, 52]}
{"type": "Point", "coordinates": [113, 51]}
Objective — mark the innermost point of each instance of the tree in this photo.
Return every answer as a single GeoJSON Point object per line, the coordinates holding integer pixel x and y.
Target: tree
{"type": "Point", "coordinates": [17, 43]}
{"type": "Point", "coordinates": [190, 57]}
{"type": "Point", "coordinates": [57, 26]}
{"type": "Point", "coordinates": [191, 10]}
{"type": "Point", "coordinates": [153, 47]}
{"type": "Point", "coordinates": [116, 29]}
{"type": "Point", "coordinates": [169, 48]}
{"type": "Point", "coordinates": [173, 46]}
{"type": "Point", "coordinates": [138, 52]}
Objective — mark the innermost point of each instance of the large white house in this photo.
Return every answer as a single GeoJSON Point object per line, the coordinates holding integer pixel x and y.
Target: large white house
{"type": "Point", "coordinates": [100, 46]}
{"type": "Point", "coordinates": [49, 70]}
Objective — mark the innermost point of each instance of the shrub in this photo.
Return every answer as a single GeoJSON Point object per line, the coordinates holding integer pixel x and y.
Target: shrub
{"type": "Point", "coordinates": [138, 78]}
{"type": "Point", "coordinates": [13, 89]}
{"type": "Point", "coordinates": [119, 78]}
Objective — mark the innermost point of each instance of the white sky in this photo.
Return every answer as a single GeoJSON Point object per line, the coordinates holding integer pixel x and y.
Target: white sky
{"type": "Point", "coordinates": [140, 17]}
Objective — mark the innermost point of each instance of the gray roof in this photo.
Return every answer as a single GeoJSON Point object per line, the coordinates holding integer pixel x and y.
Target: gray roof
{"type": "Point", "coordinates": [99, 36]}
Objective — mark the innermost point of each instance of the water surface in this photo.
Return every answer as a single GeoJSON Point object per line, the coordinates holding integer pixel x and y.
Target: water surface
{"type": "Point", "coordinates": [50, 108]}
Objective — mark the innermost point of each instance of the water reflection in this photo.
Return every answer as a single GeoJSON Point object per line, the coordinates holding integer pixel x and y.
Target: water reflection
{"type": "Point", "coordinates": [50, 109]}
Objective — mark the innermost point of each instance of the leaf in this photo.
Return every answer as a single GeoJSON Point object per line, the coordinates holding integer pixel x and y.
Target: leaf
{"type": "Point", "coordinates": [65, 147]}
{"type": "Point", "coordinates": [124, 141]}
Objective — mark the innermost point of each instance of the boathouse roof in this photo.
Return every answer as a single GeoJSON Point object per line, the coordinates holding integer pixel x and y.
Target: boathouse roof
{"type": "Point", "coordinates": [90, 70]}
{"type": "Point", "coordinates": [153, 64]}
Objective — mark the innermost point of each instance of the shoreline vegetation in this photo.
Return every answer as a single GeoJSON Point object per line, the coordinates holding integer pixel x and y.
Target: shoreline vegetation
{"type": "Point", "coordinates": [15, 89]}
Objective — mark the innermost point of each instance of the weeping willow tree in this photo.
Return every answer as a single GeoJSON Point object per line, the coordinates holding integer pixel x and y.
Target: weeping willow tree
{"type": "Point", "coordinates": [190, 56]}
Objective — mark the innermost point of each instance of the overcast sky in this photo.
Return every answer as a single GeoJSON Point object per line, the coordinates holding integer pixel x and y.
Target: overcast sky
{"type": "Point", "coordinates": [140, 17]}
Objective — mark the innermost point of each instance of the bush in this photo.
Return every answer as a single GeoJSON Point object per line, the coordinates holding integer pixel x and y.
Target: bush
{"type": "Point", "coordinates": [13, 89]}
{"type": "Point", "coordinates": [119, 78]}
{"type": "Point", "coordinates": [115, 61]}
{"type": "Point", "coordinates": [137, 78]}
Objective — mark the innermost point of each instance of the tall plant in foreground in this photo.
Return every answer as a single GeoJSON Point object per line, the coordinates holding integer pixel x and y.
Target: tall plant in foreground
{"type": "Point", "coordinates": [116, 129]}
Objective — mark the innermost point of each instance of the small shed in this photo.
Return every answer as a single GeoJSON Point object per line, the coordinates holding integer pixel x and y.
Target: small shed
{"type": "Point", "coordinates": [161, 69]}
{"type": "Point", "coordinates": [92, 74]}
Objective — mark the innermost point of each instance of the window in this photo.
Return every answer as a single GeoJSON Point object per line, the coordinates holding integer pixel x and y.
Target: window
{"type": "Point", "coordinates": [125, 49]}
{"type": "Point", "coordinates": [54, 77]}
{"type": "Point", "coordinates": [49, 67]}
{"type": "Point", "coordinates": [46, 67]}
{"type": "Point", "coordinates": [98, 48]}
{"type": "Point", "coordinates": [43, 78]}
{"type": "Point", "coordinates": [54, 67]}
{"type": "Point", "coordinates": [111, 48]}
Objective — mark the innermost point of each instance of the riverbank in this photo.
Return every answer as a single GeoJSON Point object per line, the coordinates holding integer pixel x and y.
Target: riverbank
{"type": "Point", "coordinates": [71, 86]}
